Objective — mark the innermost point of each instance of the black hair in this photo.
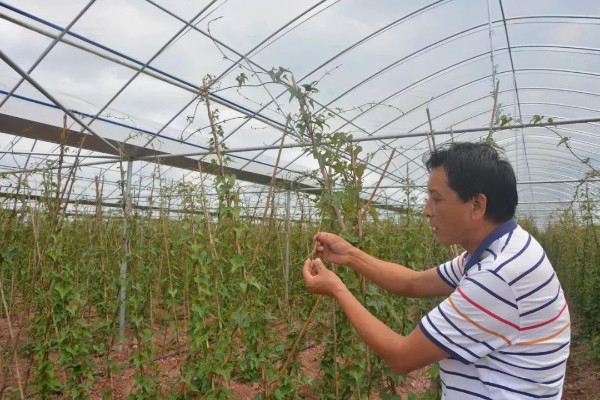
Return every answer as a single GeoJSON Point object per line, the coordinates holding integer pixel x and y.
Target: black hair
{"type": "Point", "coordinates": [478, 168]}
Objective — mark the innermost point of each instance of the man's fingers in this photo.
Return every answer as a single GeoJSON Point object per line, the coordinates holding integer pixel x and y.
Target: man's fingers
{"type": "Point", "coordinates": [307, 269]}
{"type": "Point", "coordinates": [318, 264]}
{"type": "Point", "coordinates": [318, 250]}
{"type": "Point", "coordinates": [324, 237]}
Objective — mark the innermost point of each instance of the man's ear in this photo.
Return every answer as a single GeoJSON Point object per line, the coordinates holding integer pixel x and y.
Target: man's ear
{"type": "Point", "coordinates": [479, 206]}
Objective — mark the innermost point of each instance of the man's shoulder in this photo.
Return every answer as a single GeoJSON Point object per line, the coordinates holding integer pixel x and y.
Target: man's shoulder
{"type": "Point", "coordinates": [516, 256]}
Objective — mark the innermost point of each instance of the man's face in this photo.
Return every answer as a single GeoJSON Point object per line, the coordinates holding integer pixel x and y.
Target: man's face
{"type": "Point", "coordinates": [449, 217]}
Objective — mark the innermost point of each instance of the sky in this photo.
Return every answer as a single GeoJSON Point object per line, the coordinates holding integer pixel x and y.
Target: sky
{"type": "Point", "coordinates": [433, 54]}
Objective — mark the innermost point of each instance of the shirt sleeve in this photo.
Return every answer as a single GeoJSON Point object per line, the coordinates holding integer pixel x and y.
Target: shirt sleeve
{"type": "Point", "coordinates": [451, 271]}
{"type": "Point", "coordinates": [480, 317]}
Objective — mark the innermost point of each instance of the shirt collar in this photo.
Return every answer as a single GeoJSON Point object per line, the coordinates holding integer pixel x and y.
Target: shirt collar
{"type": "Point", "coordinates": [496, 234]}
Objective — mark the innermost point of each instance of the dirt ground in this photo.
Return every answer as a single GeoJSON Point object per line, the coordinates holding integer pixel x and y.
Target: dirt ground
{"type": "Point", "coordinates": [582, 378]}
{"type": "Point", "coordinates": [582, 381]}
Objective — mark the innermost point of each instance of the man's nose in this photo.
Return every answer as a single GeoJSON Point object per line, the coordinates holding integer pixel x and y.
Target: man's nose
{"type": "Point", "coordinates": [427, 210]}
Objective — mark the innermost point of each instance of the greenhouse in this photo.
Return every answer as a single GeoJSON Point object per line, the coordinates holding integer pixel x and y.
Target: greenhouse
{"type": "Point", "coordinates": [165, 166]}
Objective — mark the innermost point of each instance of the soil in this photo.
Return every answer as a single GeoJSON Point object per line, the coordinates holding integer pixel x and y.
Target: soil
{"type": "Point", "coordinates": [582, 378]}
{"type": "Point", "coordinates": [582, 381]}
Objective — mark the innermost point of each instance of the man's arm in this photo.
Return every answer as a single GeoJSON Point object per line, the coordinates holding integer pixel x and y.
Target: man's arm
{"type": "Point", "coordinates": [389, 276]}
{"type": "Point", "coordinates": [398, 279]}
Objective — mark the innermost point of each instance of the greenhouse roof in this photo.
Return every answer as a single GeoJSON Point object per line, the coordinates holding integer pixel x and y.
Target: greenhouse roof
{"type": "Point", "coordinates": [131, 71]}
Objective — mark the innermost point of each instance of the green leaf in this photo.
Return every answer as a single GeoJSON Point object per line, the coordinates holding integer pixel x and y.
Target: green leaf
{"type": "Point", "coordinates": [237, 261]}
{"type": "Point", "coordinates": [241, 79]}
{"type": "Point", "coordinates": [373, 214]}
{"type": "Point", "coordinates": [360, 170]}
{"type": "Point", "coordinates": [146, 334]}
{"type": "Point", "coordinates": [564, 139]}
{"type": "Point", "coordinates": [386, 396]}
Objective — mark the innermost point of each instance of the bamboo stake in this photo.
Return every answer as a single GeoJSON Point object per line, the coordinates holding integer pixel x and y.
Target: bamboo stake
{"type": "Point", "coordinates": [10, 331]}
{"type": "Point", "coordinates": [260, 234]}
{"type": "Point", "coordinates": [368, 205]}
{"type": "Point", "coordinates": [311, 133]}
{"type": "Point", "coordinates": [336, 380]}
{"type": "Point", "coordinates": [292, 353]}
{"type": "Point", "coordinates": [213, 247]}
{"type": "Point", "coordinates": [494, 111]}
{"type": "Point", "coordinates": [431, 129]}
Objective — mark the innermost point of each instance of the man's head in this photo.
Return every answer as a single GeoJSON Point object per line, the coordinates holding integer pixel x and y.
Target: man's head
{"type": "Point", "coordinates": [471, 188]}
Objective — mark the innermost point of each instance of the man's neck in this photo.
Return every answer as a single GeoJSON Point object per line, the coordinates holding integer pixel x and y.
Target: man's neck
{"type": "Point", "coordinates": [479, 236]}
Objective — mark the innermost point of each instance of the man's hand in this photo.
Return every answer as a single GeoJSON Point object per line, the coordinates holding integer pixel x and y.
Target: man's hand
{"type": "Point", "coordinates": [333, 248]}
{"type": "Point", "coordinates": [320, 280]}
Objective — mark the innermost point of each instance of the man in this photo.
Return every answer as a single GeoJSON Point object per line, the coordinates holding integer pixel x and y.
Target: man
{"type": "Point", "coordinates": [503, 332]}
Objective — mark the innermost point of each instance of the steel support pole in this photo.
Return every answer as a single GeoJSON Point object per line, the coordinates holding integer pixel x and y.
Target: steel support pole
{"type": "Point", "coordinates": [491, 33]}
{"type": "Point", "coordinates": [126, 212]}
{"type": "Point", "coordinates": [288, 202]}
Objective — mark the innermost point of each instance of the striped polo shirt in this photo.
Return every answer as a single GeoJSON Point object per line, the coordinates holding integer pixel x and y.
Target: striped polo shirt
{"type": "Point", "coordinates": [506, 326]}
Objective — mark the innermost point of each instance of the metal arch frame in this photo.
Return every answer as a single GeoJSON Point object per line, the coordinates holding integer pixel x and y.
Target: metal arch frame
{"type": "Point", "coordinates": [458, 123]}
{"type": "Point", "coordinates": [461, 64]}
{"type": "Point", "coordinates": [230, 49]}
{"type": "Point", "coordinates": [190, 86]}
{"type": "Point", "coordinates": [473, 116]}
{"type": "Point", "coordinates": [430, 47]}
{"type": "Point", "coordinates": [249, 61]}
{"type": "Point", "coordinates": [533, 167]}
{"type": "Point", "coordinates": [442, 95]}
{"type": "Point", "coordinates": [554, 148]}
{"type": "Point", "coordinates": [421, 154]}
{"type": "Point", "coordinates": [424, 104]}
{"type": "Point", "coordinates": [242, 56]}
{"type": "Point", "coordinates": [516, 87]}
{"type": "Point", "coordinates": [487, 112]}
{"type": "Point", "coordinates": [363, 40]}
{"type": "Point", "coordinates": [108, 58]}
{"type": "Point", "coordinates": [447, 40]}
{"type": "Point", "coordinates": [187, 25]}
{"type": "Point", "coordinates": [515, 18]}
{"type": "Point", "coordinates": [548, 135]}
{"type": "Point", "coordinates": [447, 69]}
{"type": "Point", "coordinates": [104, 120]}
{"type": "Point", "coordinates": [137, 73]}
{"type": "Point", "coordinates": [550, 160]}
{"type": "Point", "coordinates": [550, 16]}
{"type": "Point", "coordinates": [574, 164]}
{"type": "Point", "coordinates": [150, 71]}
{"type": "Point", "coordinates": [582, 17]}
{"type": "Point", "coordinates": [39, 60]}
{"type": "Point", "coordinates": [546, 191]}
{"type": "Point", "coordinates": [526, 115]}
{"type": "Point", "coordinates": [559, 170]}
{"type": "Point", "coordinates": [346, 50]}
{"type": "Point", "coordinates": [4, 57]}
{"type": "Point", "coordinates": [462, 86]}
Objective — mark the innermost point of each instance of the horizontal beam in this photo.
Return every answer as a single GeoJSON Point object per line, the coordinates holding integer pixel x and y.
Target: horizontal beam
{"type": "Point", "coordinates": [386, 137]}
{"type": "Point", "coordinates": [24, 153]}
{"type": "Point", "coordinates": [49, 133]}
{"type": "Point", "coordinates": [540, 182]}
